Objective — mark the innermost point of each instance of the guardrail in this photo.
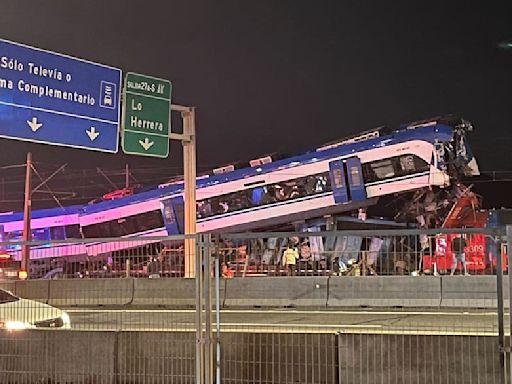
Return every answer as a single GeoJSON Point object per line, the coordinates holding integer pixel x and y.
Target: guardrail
{"type": "Point", "coordinates": [345, 291]}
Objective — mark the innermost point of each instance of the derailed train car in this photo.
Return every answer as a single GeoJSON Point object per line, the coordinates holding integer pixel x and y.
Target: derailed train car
{"type": "Point", "coordinates": [337, 178]}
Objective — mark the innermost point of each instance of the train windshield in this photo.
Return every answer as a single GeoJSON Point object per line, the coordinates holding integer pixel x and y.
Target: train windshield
{"type": "Point", "coordinates": [455, 156]}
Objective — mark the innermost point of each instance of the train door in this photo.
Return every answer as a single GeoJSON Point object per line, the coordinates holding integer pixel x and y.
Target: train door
{"type": "Point", "coordinates": [355, 179]}
{"type": "Point", "coordinates": [347, 180]}
{"type": "Point", "coordinates": [338, 181]}
{"type": "Point", "coordinates": [173, 213]}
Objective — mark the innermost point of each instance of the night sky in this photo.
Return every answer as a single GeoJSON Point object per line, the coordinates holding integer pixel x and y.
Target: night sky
{"type": "Point", "coordinates": [277, 76]}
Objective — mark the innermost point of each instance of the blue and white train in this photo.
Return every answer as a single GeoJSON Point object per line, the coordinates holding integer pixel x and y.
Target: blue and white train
{"type": "Point", "coordinates": [339, 177]}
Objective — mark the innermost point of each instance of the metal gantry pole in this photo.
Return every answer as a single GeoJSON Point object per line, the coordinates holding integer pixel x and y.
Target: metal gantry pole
{"type": "Point", "coordinates": [217, 315]}
{"type": "Point", "coordinates": [501, 314]}
{"type": "Point", "coordinates": [199, 317]}
{"type": "Point", "coordinates": [27, 209]}
{"type": "Point", "coordinates": [509, 247]}
{"type": "Point", "coordinates": [207, 311]}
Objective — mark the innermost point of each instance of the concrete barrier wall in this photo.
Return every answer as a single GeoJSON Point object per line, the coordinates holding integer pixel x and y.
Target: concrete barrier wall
{"type": "Point", "coordinates": [338, 291]}
{"type": "Point", "coordinates": [8, 285]}
{"type": "Point", "coordinates": [69, 357]}
{"type": "Point", "coordinates": [38, 290]}
{"type": "Point", "coordinates": [91, 292]}
{"type": "Point", "coordinates": [386, 291]}
{"type": "Point", "coordinates": [472, 291]}
{"type": "Point", "coordinates": [165, 292]}
{"type": "Point", "coordinates": [276, 292]}
{"type": "Point", "coordinates": [387, 359]}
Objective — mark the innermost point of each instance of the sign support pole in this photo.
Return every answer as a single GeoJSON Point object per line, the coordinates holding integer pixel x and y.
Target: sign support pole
{"type": "Point", "coordinates": [27, 231]}
{"type": "Point", "coordinates": [188, 140]}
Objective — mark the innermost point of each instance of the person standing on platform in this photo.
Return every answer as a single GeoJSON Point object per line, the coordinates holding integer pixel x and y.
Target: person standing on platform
{"type": "Point", "coordinates": [290, 256]}
{"type": "Point", "coordinates": [458, 246]}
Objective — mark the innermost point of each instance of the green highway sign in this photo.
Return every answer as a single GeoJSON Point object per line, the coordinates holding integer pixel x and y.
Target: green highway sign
{"type": "Point", "coordinates": [146, 115]}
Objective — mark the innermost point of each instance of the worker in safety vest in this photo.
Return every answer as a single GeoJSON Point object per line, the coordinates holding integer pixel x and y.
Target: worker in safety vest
{"type": "Point", "coordinates": [290, 256]}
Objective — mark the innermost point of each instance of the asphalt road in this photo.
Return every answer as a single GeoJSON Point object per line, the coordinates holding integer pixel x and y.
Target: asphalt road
{"type": "Point", "coordinates": [358, 321]}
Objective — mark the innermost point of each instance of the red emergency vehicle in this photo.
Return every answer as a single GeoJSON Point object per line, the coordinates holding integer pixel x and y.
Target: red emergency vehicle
{"type": "Point", "coordinates": [481, 250]}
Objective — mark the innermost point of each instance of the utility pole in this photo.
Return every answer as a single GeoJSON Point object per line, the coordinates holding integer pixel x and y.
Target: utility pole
{"type": "Point", "coordinates": [27, 208]}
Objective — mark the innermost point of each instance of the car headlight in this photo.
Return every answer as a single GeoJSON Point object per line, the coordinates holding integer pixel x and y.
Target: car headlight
{"type": "Point", "coordinates": [65, 319]}
{"type": "Point", "coordinates": [17, 325]}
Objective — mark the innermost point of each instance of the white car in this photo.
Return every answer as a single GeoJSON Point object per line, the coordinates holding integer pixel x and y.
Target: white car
{"type": "Point", "coordinates": [17, 313]}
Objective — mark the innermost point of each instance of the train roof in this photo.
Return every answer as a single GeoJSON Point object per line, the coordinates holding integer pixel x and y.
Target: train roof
{"type": "Point", "coordinates": [40, 213]}
{"type": "Point", "coordinates": [428, 133]}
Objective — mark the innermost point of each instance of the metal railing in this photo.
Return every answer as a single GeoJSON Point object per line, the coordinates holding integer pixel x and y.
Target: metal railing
{"type": "Point", "coordinates": [131, 321]}
{"type": "Point", "coordinates": [360, 253]}
{"type": "Point", "coordinates": [335, 253]}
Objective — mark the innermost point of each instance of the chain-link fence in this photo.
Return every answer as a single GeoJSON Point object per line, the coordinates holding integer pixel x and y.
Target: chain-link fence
{"type": "Point", "coordinates": [316, 307]}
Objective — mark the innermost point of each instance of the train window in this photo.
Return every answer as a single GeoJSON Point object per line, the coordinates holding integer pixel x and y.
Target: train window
{"type": "Point", "coordinates": [149, 220]}
{"type": "Point", "coordinates": [73, 231]}
{"type": "Point", "coordinates": [355, 176]}
{"type": "Point", "coordinates": [15, 235]}
{"type": "Point", "coordinates": [37, 234]}
{"type": "Point", "coordinates": [179, 211]}
{"type": "Point", "coordinates": [383, 169]}
{"type": "Point", "coordinates": [169, 214]}
{"type": "Point", "coordinates": [57, 233]}
{"type": "Point", "coordinates": [394, 167]}
{"type": "Point", "coordinates": [264, 195]}
{"type": "Point", "coordinates": [338, 178]}
{"type": "Point", "coordinates": [125, 226]}
{"type": "Point", "coordinates": [41, 234]}
{"type": "Point", "coordinates": [407, 163]}
{"type": "Point", "coordinates": [95, 230]}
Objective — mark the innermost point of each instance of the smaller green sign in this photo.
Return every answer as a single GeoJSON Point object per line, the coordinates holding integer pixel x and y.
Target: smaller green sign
{"type": "Point", "coordinates": [146, 115]}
